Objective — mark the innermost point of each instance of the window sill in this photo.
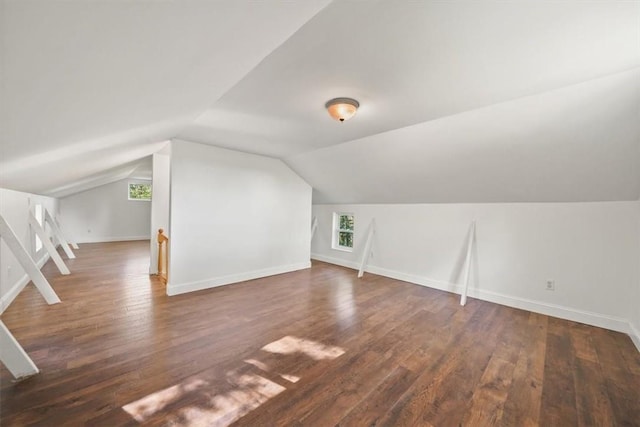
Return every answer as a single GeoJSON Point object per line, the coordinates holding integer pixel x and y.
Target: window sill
{"type": "Point", "coordinates": [342, 249]}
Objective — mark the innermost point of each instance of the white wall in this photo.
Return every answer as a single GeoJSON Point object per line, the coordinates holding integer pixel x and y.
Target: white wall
{"type": "Point", "coordinates": [160, 202]}
{"type": "Point", "coordinates": [589, 249]}
{"type": "Point", "coordinates": [14, 207]}
{"type": "Point", "coordinates": [635, 300]}
{"type": "Point", "coordinates": [234, 217]}
{"type": "Point", "coordinates": [104, 214]}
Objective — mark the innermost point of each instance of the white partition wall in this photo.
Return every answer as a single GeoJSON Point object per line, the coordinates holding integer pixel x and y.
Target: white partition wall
{"type": "Point", "coordinates": [159, 203]}
{"type": "Point", "coordinates": [14, 207]}
{"type": "Point", "coordinates": [234, 217]}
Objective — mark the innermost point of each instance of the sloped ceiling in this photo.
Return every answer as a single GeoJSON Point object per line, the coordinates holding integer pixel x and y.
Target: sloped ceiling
{"type": "Point", "coordinates": [460, 101]}
{"type": "Point", "coordinates": [87, 86]}
{"type": "Point", "coordinates": [138, 169]}
{"type": "Point", "coordinates": [409, 62]}
{"type": "Point", "coordinates": [578, 143]}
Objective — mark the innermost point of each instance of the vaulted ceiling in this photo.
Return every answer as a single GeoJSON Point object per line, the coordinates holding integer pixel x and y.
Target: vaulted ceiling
{"type": "Point", "coordinates": [89, 86]}
{"type": "Point", "coordinates": [460, 101]}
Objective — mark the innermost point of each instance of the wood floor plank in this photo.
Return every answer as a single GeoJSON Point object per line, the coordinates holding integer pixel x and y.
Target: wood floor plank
{"type": "Point", "coordinates": [448, 381]}
{"type": "Point", "coordinates": [558, 406]}
{"type": "Point", "coordinates": [622, 385]}
{"type": "Point", "coordinates": [314, 347]}
{"type": "Point", "coordinates": [522, 407]}
{"type": "Point", "coordinates": [489, 397]}
{"type": "Point", "coordinates": [592, 397]}
{"type": "Point", "coordinates": [370, 410]}
{"type": "Point", "coordinates": [487, 404]}
{"type": "Point", "coordinates": [582, 344]}
{"type": "Point", "coordinates": [354, 388]}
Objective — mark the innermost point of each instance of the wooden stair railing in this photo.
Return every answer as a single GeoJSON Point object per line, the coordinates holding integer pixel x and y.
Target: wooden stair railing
{"type": "Point", "coordinates": [162, 255]}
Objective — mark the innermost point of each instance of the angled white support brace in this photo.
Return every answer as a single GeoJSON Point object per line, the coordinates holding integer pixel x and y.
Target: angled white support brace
{"type": "Point", "coordinates": [27, 263]}
{"type": "Point", "coordinates": [314, 226]}
{"type": "Point", "coordinates": [472, 238]}
{"type": "Point", "coordinates": [13, 355]}
{"type": "Point", "coordinates": [73, 244]}
{"type": "Point", "coordinates": [58, 233]}
{"type": "Point", "coordinates": [367, 247]}
{"type": "Point", "coordinates": [48, 245]}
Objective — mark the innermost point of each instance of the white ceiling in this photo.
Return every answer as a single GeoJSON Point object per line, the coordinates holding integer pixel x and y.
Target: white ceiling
{"type": "Point", "coordinates": [579, 143]}
{"type": "Point", "coordinates": [138, 169]}
{"type": "Point", "coordinates": [80, 78]}
{"type": "Point", "coordinates": [461, 101]}
{"type": "Point", "coordinates": [408, 62]}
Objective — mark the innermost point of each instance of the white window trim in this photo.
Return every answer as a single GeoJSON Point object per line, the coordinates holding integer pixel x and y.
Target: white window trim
{"type": "Point", "coordinates": [335, 239]}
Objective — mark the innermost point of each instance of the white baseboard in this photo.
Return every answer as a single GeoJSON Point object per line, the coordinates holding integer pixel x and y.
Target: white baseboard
{"type": "Point", "coordinates": [582, 316]}
{"type": "Point", "coordinates": [336, 261]}
{"type": "Point", "coordinates": [108, 239]}
{"type": "Point", "coordinates": [15, 290]}
{"type": "Point", "coordinates": [232, 278]}
{"type": "Point", "coordinates": [635, 335]}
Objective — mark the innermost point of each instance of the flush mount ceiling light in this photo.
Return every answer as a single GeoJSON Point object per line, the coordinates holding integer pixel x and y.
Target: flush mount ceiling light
{"type": "Point", "coordinates": [342, 108]}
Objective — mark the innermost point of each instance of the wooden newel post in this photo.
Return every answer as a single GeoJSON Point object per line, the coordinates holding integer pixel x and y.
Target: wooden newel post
{"type": "Point", "coordinates": [162, 255]}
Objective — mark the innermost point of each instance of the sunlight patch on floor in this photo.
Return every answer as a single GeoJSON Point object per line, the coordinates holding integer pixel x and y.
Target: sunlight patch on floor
{"type": "Point", "coordinates": [141, 410]}
{"type": "Point", "coordinates": [222, 401]}
{"type": "Point", "coordinates": [258, 364]}
{"type": "Point", "coordinates": [315, 350]}
{"type": "Point", "coordinates": [290, 378]}
{"type": "Point", "coordinates": [248, 392]}
{"type": "Point", "coordinates": [253, 390]}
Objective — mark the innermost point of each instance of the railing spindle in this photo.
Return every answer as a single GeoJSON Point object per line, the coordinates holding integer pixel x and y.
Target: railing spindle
{"type": "Point", "coordinates": [162, 255]}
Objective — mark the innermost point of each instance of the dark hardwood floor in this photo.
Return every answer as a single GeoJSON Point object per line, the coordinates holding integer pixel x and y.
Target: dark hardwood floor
{"type": "Point", "coordinates": [317, 347]}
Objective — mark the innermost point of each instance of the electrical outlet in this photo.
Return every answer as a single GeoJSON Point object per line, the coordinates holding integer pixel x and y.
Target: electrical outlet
{"type": "Point", "coordinates": [551, 285]}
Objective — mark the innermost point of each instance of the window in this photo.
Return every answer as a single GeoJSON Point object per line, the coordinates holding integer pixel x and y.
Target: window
{"type": "Point", "coordinates": [139, 191]}
{"type": "Point", "coordinates": [343, 231]}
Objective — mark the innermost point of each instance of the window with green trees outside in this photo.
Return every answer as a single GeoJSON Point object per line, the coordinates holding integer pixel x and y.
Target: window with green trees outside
{"type": "Point", "coordinates": [343, 225]}
{"type": "Point", "coordinates": [139, 191]}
